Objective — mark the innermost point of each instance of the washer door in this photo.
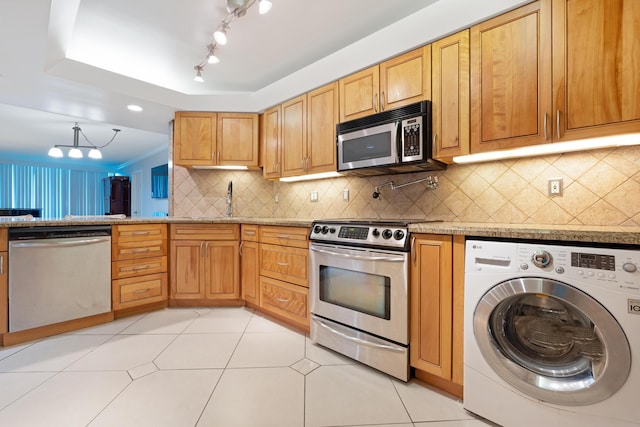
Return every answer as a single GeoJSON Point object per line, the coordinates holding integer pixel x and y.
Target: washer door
{"type": "Point", "coordinates": [552, 341]}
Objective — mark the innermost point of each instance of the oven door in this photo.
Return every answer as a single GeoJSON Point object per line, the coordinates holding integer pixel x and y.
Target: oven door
{"type": "Point", "coordinates": [366, 289]}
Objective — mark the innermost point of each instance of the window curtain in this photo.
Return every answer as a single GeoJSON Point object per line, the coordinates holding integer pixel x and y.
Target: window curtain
{"type": "Point", "coordinates": [57, 191]}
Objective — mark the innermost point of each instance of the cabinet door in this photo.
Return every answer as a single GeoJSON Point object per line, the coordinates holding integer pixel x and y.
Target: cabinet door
{"type": "Point", "coordinates": [322, 117]}
{"type": "Point", "coordinates": [237, 139]}
{"type": "Point", "coordinates": [450, 87]}
{"type": "Point", "coordinates": [222, 270]}
{"type": "Point", "coordinates": [595, 65]}
{"type": "Point", "coordinates": [359, 94]}
{"type": "Point", "coordinates": [250, 271]}
{"type": "Point", "coordinates": [432, 305]}
{"type": "Point", "coordinates": [271, 132]}
{"type": "Point", "coordinates": [294, 136]}
{"type": "Point", "coordinates": [511, 79]}
{"type": "Point", "coordinates": [405, 79]}
{"type": "Point", "coordinates": [4, 292]}
{"type": "Point", "coordinates": [194, 139]}
{"type": "Point", "coordinates": [187, 269]}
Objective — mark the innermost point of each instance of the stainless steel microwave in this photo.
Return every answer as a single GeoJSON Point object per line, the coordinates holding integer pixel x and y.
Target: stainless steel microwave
{"type": "Point", "coordinates": [394, 141]}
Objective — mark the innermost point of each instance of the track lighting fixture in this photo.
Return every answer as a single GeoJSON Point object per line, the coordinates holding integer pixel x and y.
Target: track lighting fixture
{"type": "Point", "coordinates": [75, 152]}
{"type": "Point", "coordinates": [236, 9]}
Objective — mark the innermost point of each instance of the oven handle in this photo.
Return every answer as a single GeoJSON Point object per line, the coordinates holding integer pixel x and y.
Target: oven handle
{"type": "Point", "coordinates": [356, 340]}
{"type": "Point", "coordinates": [364, 258]}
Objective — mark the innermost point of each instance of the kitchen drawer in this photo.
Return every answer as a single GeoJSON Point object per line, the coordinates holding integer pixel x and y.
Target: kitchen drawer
{"type": "Point", "coordinates": [142, 249]}
{"type": "Point", "coordinates": [138, 232]}
{"type": "Point", "coordinates": [205, 231]}
{"type": "Point", "coordinates": [285, 236]}
{"type": "Point", "coordinates": [3, 239]}
{"type": "Point", "coordinates": [249, 233]}
{"type": "Point", "coordinates": [285, 263]}
{"type": "Point", "coordinates": [139, 290]}
{"type": "Point", "coordinates": [285, 299]}
{"type": "Point", "coordinates": [138, 266]}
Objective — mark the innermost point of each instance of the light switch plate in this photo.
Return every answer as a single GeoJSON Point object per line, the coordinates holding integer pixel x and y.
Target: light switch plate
{"type": "Point", "coordinates": [313, 196]}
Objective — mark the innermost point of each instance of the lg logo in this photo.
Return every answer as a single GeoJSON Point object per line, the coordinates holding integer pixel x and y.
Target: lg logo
{"type": "Point", "coordinates": [634, 306]}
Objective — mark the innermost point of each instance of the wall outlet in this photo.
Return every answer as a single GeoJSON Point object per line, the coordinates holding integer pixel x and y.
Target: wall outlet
{"type": "Point", "coordinates": [345, 195]}
{"type": "Point", "coordinates": [313, 196]}
{"type": "Point", "coordinates": [277, 198]}
{"type": "Point", "coordinates": [555, 187]}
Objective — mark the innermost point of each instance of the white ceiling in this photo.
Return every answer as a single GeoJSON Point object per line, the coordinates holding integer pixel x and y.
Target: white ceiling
{"type": "Point", "coordinates": [67, 61]}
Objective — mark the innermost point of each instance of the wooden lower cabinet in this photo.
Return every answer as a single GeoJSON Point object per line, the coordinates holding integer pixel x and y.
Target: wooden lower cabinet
{"type": "Point", "coordinates": [287, 300]}
{"type": "Point", "coordinates": [204, 271]}
{"type": "Point", "coordinates": [436, 308]}
{"type": "Point", "coordinates": [4, 292]}
{"type": "Point", "coordinates": [284, 274]}
{"type": "Point", "coordinates": [138, 267]}
{"type": "Point", "coordinates": [250, 264]}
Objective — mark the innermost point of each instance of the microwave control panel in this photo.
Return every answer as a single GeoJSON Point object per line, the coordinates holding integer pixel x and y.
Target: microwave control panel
{"type": "Point", "coordinates": [411, 149]}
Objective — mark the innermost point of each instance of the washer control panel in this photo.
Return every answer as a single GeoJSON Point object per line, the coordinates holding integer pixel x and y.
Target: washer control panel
{"type": "Point", "coordinates": [610, 267]}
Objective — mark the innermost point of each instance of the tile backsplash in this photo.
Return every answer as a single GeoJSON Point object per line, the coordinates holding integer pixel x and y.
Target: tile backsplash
{"type": "Point", "coordinates": [601, 187]}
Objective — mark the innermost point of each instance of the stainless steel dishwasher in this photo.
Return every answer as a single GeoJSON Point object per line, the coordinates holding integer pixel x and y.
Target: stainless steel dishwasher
{"type": "Point", "coordinates": [58, 274]}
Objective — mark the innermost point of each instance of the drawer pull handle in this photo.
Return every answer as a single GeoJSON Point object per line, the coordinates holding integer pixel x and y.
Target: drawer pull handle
{"type": "Point", "coordinates": [283, 264]}
{"type": "Point", "coordinates": [141, 291]}
{"type": "Point", "coordinates": [141, 267]}
{"type": "Point", "coordinates": [282, 299]}
{"type": "Point", "coordinates": [1, 265]}
{"type": "Point", "coordinates": [140, 250]}
{"type": "Point", "coordinates": [140, 233]}
{"type": "Point", "coordinates": [250, 233]}
{"type": "Point", "coordinates": [283, 236]}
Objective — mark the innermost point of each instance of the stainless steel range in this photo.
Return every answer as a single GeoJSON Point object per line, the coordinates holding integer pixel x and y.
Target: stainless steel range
{"type": "Point", "coordinates": [359, 289]}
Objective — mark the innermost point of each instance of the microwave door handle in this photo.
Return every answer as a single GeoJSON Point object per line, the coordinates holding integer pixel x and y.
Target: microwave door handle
{"type": "Point", "coordinates": [358, 257]}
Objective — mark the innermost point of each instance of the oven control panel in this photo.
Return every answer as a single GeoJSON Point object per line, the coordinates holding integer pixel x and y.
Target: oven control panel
{"type": "Point", "coordinates": [375, 235]}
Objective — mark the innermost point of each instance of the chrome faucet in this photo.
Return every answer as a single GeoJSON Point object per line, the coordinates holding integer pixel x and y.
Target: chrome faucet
{"type": "Point", "coordinates": [229, 211]}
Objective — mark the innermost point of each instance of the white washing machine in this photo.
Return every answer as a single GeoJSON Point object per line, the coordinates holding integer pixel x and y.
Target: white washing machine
{"type": "Point", "coordinates": [552, 334]}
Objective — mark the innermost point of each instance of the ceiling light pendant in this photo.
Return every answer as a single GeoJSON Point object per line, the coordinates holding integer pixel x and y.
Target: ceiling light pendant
{"type": "Point", "coordinates": [264, 6]}
{"type": "Point", "coordinates": [198, 76]}
{"type": "Point", "coordinates": [94, 153]}
{"type": "Point", "coordinates": [212, 59]}
{"type": "Point", "coordinates": [75, 153]}
{"type": "Point", "coordinates": [55, 152]}
{"type": "Point", "coordinates": [220, 36]}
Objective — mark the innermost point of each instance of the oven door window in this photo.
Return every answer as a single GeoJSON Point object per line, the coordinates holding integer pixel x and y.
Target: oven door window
{"type": "Point", "coordinates": [363, 292]}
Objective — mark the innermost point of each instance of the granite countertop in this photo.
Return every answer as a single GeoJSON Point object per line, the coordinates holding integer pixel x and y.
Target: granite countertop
{"type": "Point", "coordinates": [576, 233]}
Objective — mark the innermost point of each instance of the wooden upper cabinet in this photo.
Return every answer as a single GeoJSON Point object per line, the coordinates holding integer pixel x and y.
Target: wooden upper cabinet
{"type": "Point", "coordinates": [216, 139]}
{"type": "Point", "coordinates": [294, 136]}
{"type": "Point", "coordinates": [237, 139]}
{"type": "Point", "coordinates": [511, 79]}
{"type": "Point", "coordinates": [359, 94]}
{"type": "Point", "coordinates": [405, 79]}
{"type": "Point", "coordinates": [450, 96]}
{"type": "Point", "coordinates": [194, 138]}
{"type": "Point", "coordinates": [271, 130]}
{"type": "Point", "coordinates": [595, 63]}
{"type": "Point", "coordinates": [400, 81]}
{"type": "Point", "coordinates": [322, 117]}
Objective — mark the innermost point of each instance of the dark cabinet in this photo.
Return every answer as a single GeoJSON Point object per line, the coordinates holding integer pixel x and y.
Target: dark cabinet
{"type": "Point", "coordinates": [117, 195]}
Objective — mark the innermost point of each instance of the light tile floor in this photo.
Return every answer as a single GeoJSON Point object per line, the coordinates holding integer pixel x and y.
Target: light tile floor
{"type": "Point", "coordinates": [206, 367]}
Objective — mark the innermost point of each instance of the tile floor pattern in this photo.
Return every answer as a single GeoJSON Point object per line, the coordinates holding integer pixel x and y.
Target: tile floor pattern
{"type": "Point", "coordinates": [205, 367]}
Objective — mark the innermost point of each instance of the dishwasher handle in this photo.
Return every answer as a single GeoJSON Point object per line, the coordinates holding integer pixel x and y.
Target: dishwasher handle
{"type": "Point", "coordinates": [50, 243]}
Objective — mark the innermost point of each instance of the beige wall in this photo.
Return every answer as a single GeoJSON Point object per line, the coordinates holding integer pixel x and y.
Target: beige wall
{"type": "Point", "coordinates": [601, 187]}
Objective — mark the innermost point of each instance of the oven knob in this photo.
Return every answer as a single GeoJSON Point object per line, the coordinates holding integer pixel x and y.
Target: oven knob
{"type": "Point", "coordinates": [398, 234]}
{"type": "Point", "coordinates": [317, 229]}
{"type": "Point", "coordinates": [541, 259]}
{"type": "Point", "coordinates": [332, 230]}
{"type": "Point", "coordinates": [375, 232]}
{"type": "Point", "coordinates": [387, 234]}
{"type": "Point", "coordinates": [325, 229]}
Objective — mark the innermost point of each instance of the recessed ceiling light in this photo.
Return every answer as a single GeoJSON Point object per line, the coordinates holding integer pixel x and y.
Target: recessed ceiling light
{"type": "Point", "coordinates": [134, 107]}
